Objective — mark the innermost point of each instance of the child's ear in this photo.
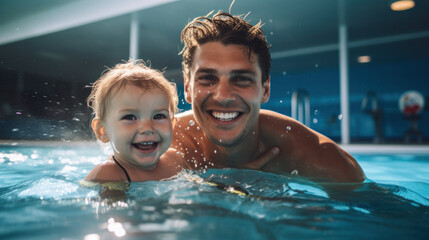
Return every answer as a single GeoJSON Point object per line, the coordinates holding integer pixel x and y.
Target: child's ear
{"type": "Point", "coordinates": [99, 130]}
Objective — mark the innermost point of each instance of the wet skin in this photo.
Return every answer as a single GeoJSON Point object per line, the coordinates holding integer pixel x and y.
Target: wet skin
{"type": "Point", "coordinates": [226, 127]}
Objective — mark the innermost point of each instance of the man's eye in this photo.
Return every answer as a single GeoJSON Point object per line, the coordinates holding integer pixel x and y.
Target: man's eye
{"type": "Point", "coordinates": [206, 79]}
{"type": "Point", "coordinates": [242, 79]}
{"type": "Point", "coordinates": [160, 116]}
{"type": "Point", "coordinates": [129, 117]}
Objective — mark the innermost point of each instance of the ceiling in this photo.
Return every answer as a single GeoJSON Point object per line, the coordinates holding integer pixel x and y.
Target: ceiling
{"type": "Point", "coordinates": [302, 33]}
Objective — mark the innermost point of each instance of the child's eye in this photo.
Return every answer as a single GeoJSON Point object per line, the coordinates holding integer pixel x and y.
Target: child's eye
{"type": "Point", "coordinates": [129, 117]}
{"type": "Point", "coordinates": [160, 116]}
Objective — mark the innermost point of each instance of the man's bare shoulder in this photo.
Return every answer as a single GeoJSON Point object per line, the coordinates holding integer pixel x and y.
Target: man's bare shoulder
{"type": "Point", "coordinates": [185, 124]}
{"type": "Point", "coordinates": [187, 115]}
{"type": "Point", "coordinates": [186, 132]}
{"type": "Point", "coordinates": [270, 121]}
{"type": "Point", "coordinates": [312, 153]}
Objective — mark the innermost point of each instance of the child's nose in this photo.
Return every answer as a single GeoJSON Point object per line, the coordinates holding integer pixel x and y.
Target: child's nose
{"type": "Point", "coordinates": [146, 127]}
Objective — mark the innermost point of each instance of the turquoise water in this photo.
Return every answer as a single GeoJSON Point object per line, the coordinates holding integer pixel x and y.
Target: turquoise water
{"type": "Point", "coordinates": [42, 199]}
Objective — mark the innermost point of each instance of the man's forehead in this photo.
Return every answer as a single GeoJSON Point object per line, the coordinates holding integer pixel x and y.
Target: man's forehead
{"type": "Point", "coordinates": [215, 55]}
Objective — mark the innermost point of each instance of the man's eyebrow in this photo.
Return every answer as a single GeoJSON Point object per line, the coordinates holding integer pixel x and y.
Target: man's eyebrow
{"type": "Point", "coordinates": [237, 72]}
{"type": "Point", "coordinates": [206, 70]}
{"type": "Point", "coordinates": [233, 72]}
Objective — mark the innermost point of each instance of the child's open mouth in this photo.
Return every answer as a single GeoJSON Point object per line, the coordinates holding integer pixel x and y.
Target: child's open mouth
{"type": "Point", "coordinates": [146, 146]}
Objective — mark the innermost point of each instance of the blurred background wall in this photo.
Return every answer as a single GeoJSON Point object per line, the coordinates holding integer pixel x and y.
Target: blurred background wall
{"type": "Point", "coordinates": [51, 51]}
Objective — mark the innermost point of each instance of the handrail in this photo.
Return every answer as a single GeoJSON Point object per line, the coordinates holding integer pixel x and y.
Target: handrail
{"type": "Point", "coordinates": [370, 96]}
{"type": "Point", "coordinates": [376, 114]}
{"type": "Point", "coordinates": [301, 106]}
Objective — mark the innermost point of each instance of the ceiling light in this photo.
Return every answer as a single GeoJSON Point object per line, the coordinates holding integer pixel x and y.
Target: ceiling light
{"type": "Point", "coordinates": [364, 59]}
{"type": "Point", "coordinates": [401, 5]}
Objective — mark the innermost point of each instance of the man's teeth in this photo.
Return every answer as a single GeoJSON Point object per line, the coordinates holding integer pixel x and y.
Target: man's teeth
{"type": "Point", "coordinates": [225, 116]}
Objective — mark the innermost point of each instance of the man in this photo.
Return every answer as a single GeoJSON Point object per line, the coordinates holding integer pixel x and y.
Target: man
{"type": "Point", "coordinates": [226, 64]}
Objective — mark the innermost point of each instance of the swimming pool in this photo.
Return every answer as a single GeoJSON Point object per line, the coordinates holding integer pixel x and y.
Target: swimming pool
{"type": "Point", "coordinates": [42, 199]}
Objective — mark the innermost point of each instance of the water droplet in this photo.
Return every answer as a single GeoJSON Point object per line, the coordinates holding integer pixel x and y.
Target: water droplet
{"type": "Point", "coordinates": [198, 128]}
{"type": "Point", "coordinates": [284, 73]}
{"type": "Point", "coordinates": [340, 116]}
{"type": "Point", "coordinates": [215, 151]}
{"type": "Point", "coordinates": [294, 172]}
{"type": "Point", "coordinates": [316, 112]}
{"type": "Point", "coordinates": [316, 65]}
{"type": "Point", "coordinates": [281, 101]}
{"type": "Point", "coordinates": [271, 33]}
{"type": "Point", "coordinates": [315, 120]}
{"type": "Point", "coordinates": [288, 128]}
{"type": "Point", "coordinates": [191, 123]}
{"type": "Point", "coordinates": [15, 130]}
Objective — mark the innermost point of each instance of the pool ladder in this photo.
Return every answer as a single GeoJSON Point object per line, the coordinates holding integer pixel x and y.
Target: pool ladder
{"type": "Point", "coordinates": [301, 106]}
{"type": "Point", "coordinates": [376, 113]}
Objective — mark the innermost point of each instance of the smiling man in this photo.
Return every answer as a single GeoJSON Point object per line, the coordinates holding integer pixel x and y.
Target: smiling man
{"type": "Point", "coordinates": [226, 64]}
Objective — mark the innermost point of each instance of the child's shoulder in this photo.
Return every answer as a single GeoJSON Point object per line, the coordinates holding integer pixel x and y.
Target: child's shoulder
{"type": "Point", "coordinates": [105, 171]}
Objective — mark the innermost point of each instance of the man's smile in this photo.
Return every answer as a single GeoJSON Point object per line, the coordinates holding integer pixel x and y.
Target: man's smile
{"type": "Point", "coordinates": [225, 116]}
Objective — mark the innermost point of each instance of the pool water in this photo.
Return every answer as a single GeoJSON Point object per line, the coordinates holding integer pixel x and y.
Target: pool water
{"type": "Point", "coordinates": [42, 199]}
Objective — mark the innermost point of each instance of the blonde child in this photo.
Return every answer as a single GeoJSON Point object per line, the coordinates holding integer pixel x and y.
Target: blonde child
{"type": "Point", "coordinates": [134, 109]}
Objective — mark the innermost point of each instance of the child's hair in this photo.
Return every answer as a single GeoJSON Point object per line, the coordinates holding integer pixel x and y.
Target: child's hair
{"type": "Point", "coordinates": [132, 72]}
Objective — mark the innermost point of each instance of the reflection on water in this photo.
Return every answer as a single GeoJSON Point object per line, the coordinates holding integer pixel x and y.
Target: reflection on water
{"type": "Point", "coordinates": [42, 199]}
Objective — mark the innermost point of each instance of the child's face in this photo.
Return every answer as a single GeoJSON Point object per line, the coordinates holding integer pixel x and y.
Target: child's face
{"type": "Point", "coordinates": [139, 126]}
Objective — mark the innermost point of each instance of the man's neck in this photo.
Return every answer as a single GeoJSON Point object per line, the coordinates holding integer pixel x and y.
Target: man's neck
{"type": "Point", "coordinates": [236, 155]}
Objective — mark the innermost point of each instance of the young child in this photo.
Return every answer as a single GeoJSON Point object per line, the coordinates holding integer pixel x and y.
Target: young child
{"type": "Point", "coordinates": [134, 108]}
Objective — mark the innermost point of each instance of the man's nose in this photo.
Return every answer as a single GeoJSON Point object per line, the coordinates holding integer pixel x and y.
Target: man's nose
{"type": "Point", "coordinates": [223, 92]}
{"type": "Point", "coordinates": [146, 127]}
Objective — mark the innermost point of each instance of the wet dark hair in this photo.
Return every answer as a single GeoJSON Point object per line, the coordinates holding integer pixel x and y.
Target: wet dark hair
{"type": "Point", "coordinates": [227, 29]}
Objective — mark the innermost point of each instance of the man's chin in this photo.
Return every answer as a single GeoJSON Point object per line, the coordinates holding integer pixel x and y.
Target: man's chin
{"type": "Point", "coordinates": [226, 141]}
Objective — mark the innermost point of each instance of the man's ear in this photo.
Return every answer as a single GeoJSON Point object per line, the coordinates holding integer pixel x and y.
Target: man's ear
{"type": "Point", "coordinates": [99, 130]}
{"type": "Point", "coordinates": [187, 86]}
{"type": "Point", "coordinates": [266, 89]}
